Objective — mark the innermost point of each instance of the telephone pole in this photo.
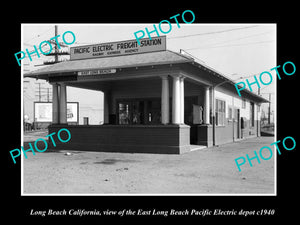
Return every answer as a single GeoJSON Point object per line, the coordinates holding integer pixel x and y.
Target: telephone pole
{"type": "Point", "coordinates": [55, 48]}
{"type": "Point", "coordinates": [56, 52]}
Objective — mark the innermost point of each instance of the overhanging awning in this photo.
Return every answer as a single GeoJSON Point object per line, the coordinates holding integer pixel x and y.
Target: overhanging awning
{"type": "Point", "coordinates": [126, 61]}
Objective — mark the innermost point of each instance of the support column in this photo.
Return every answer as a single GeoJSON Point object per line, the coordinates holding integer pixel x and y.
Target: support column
{"type": "Point", "coordinates": [182, 100]}
{"type": "Point", "coordinates": [176, 100]}
{"type": "Point", "coordinates": [207, 105]}
{"type": "Point", "coordinates": [106, 107]}
{"type": "Point", "coordinates": [55, 102]}
{"type": "Point", "coordinates": [165, 117]}
{"type": "Point", "coordinates": [63, 104]}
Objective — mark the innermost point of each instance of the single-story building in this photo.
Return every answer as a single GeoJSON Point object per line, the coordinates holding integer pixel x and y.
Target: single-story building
{"type": "Point", "coordinates": [155, 100]}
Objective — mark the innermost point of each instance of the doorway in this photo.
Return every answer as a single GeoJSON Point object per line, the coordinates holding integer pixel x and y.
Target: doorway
{"type": "Point", "coordinates": [237, 133]}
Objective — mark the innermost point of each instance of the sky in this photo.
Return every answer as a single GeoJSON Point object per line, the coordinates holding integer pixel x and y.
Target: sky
{"type": "Point", "coordinates": [234, 50]}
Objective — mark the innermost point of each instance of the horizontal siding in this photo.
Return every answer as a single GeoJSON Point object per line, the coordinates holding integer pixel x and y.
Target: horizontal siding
{"type": "Point", "coordinates": [113, 138]}
{"type": "Point", "coordinates": [237, 102]}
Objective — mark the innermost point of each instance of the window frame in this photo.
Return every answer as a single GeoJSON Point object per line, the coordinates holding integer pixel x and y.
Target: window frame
{"type": "Point", "coordinates": [220, 113]}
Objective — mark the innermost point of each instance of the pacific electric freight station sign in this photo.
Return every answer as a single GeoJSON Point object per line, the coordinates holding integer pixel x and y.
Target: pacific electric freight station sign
{"type": "Point", "coordinates": [118, 48]}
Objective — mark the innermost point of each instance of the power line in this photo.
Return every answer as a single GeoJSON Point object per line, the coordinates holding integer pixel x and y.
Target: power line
{"type": "Point", "coordinates": [39, 35]}
{"type": "Point", "coordinates": [235, 39]}
{"type": "Point", "coordinates": [230, 45]}
{"type": "Point", "coordinates": [264, 88]}
{"type": "Point", "coordinates": [213, 32]}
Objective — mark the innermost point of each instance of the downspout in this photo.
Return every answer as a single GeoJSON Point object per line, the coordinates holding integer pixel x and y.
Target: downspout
{"type": "Point", "coordinates": [213, 114]}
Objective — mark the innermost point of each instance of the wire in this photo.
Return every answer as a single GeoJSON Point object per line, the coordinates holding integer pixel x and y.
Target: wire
{"type": "Point", "coordinates": [264, 87]}
{"type": "Point", "coordinates": [221, 46]}
{"type": "Point", "coordinates": [213, 32]}
{"type": "Point", "coordinates": [272, 93]}
{"type": "Point", "coordinates": [243, 77]}
{"type": "Point", "coordinates": [235, 39]}
{"type": "Point", "coordinates": [39, 35]}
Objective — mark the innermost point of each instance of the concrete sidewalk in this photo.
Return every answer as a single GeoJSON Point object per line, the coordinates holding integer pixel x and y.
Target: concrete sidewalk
{"type": "Point", "coordinates": [206, 171]}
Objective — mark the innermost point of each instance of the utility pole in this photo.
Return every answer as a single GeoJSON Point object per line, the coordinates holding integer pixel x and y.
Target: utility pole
{"type": "Point", "coordinates": [56, 52]}
{"type": "Point", "coordinates": [55, 49]}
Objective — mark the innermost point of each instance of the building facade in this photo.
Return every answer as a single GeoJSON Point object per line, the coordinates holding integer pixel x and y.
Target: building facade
{"type": "Point", "coordinates": [155, 100]}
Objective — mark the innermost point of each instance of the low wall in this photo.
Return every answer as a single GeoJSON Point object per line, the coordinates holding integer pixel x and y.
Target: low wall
{"type": "Point", "coordinates": [224, 134]}
{"type": "Point", "coordinates": [164, 139]}
{"type": "Point", "coordinates": [250, 131]}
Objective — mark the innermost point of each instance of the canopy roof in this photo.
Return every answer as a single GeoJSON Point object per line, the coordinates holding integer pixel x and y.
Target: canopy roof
{"type": "Point", "coordinates": [127, 61]}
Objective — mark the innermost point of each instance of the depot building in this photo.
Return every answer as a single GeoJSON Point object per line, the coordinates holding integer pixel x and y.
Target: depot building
{"type": "Point", "coordinates": [155, 100]}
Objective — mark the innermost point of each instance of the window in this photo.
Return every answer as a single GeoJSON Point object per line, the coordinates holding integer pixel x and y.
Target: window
{"type": "Point", "coordinates": [124, 113]}
{"type": "Point", "coordinates": [139, 111]}
{"type": "Point", "coordinates": [232, 113]}
{"type": "Point", "coordinates": [243, 103]}
{"type": "Point", "coordinates": [220, 112]}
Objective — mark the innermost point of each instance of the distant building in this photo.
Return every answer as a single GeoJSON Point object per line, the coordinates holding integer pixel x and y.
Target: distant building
{"type": "Point", "coordinates": [37, 90]}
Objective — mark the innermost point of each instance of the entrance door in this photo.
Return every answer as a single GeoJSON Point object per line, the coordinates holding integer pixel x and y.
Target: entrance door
{"type": "Point", "coordinates": [237, 124]}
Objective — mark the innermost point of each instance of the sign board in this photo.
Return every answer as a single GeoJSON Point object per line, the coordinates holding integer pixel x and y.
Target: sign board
{"type": "Point", "coordinates": [72, 112]}
{"type": "Point", "coordinates": [96, 72]}
{"type": "Point", "coordinates": [197, 114]}
{"type": "Point", "coordinates": [118, 48]}
{"type": "Point", "coordinates": [43, 112]}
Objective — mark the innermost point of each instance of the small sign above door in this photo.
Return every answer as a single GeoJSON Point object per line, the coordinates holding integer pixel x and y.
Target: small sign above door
{"type": "Point", "coordinates": [96, 72]}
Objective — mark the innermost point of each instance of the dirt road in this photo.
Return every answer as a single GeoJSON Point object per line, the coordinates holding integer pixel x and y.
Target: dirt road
{"type": "Point", "coordinates": [206, 171]}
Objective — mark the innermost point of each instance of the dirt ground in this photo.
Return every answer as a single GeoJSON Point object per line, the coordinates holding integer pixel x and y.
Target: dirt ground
{"type": "Point", "coordinates": [206, 171]}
